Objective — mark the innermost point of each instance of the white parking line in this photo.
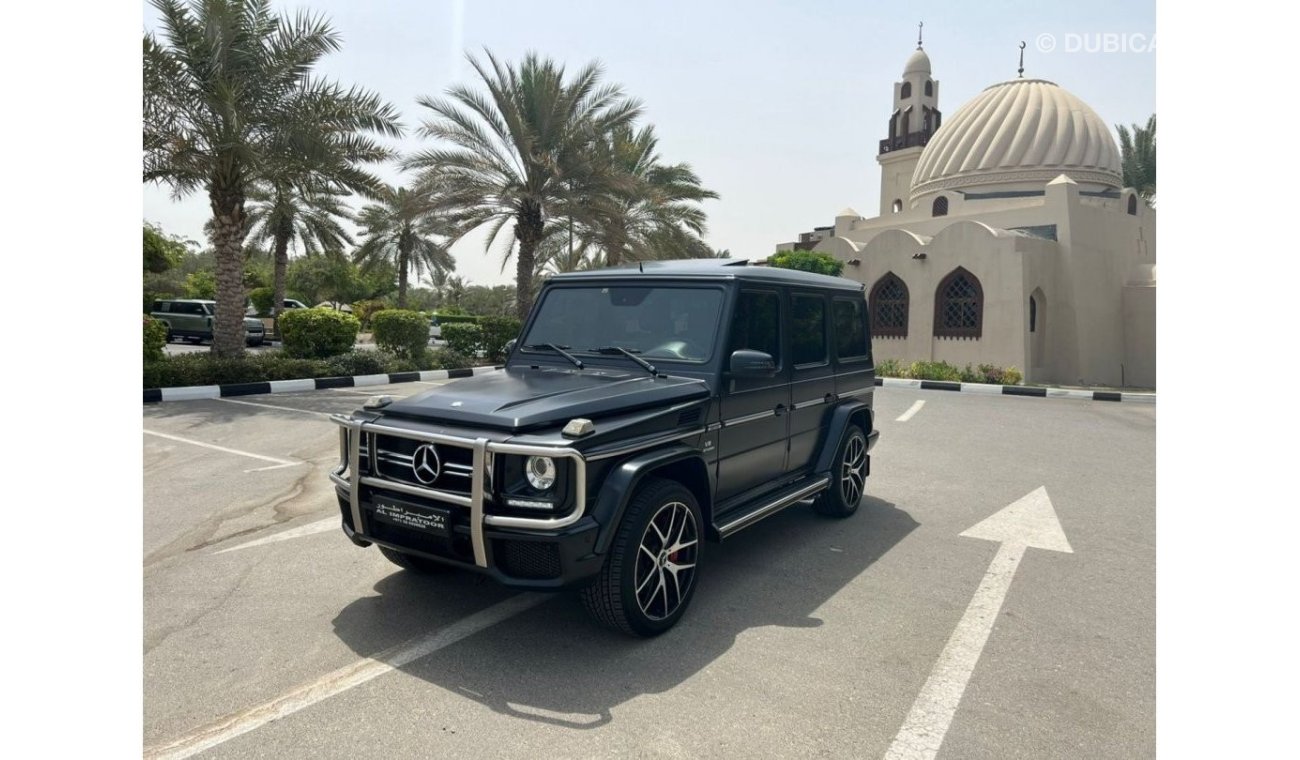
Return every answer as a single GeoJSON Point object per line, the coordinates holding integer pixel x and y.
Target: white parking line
{"type": "Point", "coordinates": [342, 679]}
{"type": "Point", "coordinates": [273, 406]}
{"type": "Point", "coordinates": [310, 529]}
{"type": "Point", "coordinates": [278, 462]}
{"type": "Point", "coordinates": [911, 411]}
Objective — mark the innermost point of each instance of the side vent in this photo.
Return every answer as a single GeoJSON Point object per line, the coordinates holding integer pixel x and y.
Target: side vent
{"type": "Point", "coordinates": [689, 417]}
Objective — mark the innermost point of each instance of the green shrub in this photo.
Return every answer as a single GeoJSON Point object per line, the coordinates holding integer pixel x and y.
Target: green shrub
{"type": "Point", "coordinates": [463, 338]}
{"type": "Point", "coordinates": [404, 333]}
{"type": "Point", "coordinates": [446, 358]}
{"type": "Point", "coordinates": [318, 333]}
{"type": "Point", "coordinates": [263, 300]}
{"type": "Point", "coordinates": [155, 337]}
{"type": "Point", "coordinates": [807, 261]}
{"type": "Point", "coordinates": [934, 371]}
{"type": "Point", "coordinates": [200, 284]}
{"type": "Point", "coordinates": [358, 363]}
{"type": "Point", "coordinates": [1012, 376]}
{"type": "Point", "coordinates": [889, 368]}
{"type": "Point", "coordinates": [497, 332]}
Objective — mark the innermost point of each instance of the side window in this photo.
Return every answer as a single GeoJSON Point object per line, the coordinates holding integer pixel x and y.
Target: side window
{"type": "Point", "coordinates": [756, 324]}
{"type": "Point", "coordinates": [851, 330]}
{"type": "Point", "coordinates": [808, 329]}
{"type": "Point", "coordinates": [161, 305]}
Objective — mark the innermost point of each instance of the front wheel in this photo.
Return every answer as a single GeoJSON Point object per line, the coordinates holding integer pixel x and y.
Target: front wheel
{"type": "Point", "coordinates": [649, 577]}
{"type": "Point", "coordinates": [413, 563]}
{"type": "Point", "coordinates": [848, 476]}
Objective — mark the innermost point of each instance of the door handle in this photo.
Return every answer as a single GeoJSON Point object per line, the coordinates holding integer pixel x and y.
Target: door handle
{"type": "Point", "coordinates": [780, 409]}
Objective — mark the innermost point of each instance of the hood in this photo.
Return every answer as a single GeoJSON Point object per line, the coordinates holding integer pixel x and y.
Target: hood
{"type": "Point", "coordinates": [524, 397]}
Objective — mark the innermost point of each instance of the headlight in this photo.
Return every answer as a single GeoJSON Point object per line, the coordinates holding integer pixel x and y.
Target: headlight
{"type": "Point", "coordinates": [540, 472]}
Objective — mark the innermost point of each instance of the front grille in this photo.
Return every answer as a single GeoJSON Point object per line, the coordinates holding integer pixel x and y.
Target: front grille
{"type": "Point", "coordinates": [395, 460]}
{"type": "Point", "coordinates": [528, 559]}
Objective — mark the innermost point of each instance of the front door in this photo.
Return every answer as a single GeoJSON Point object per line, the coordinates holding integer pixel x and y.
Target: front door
{"type": "Point", "coordinates": [752, 443]}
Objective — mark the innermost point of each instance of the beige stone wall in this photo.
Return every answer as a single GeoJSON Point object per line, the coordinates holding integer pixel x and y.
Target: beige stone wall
{"type": "Point", "coordinates": [1140, 338]}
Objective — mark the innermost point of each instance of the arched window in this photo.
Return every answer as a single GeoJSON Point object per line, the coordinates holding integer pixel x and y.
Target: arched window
{"type": "Point", "coordinates": [929, 88]}
{"type": "Point", "coordinates": [906, 92]}
{"type": "Point", "coordinates": [898, 205]}
{"type": "Point", "coordinates": [1133, 205]}
{"type": "Point", "coordinates": [889, 307]}
{"type": "Point", "coordinates": [940, 207]}
{"type": "Point", "coordinates": [959, 306]}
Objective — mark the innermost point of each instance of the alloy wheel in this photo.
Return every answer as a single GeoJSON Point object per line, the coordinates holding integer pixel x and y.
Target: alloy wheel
{"type": "Point", "coordinates": [852, 471]}
{"type": "Point", "coordinates": [665, 562]}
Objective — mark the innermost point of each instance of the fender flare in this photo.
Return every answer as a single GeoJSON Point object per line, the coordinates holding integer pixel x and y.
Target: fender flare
{"type": "Point", "coordinates": [841, 417]}
{"type": "Point", "coordinates": [622, 480]}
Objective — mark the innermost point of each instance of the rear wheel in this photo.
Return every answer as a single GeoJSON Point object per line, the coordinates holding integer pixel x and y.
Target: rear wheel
{"type": "Point", "coordinates": [649, 577]}
{"type": "Point", "coordinates": [413, 563]}
{"type": "Point", "coordinates": [848, 476]}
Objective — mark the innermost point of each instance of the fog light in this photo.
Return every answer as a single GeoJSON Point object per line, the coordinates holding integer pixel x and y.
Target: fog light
{"type": "Point", "coordinates": [541, 472]}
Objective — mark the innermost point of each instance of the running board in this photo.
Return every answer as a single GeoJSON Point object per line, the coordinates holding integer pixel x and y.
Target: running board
{"type": "Point", "coordinates": [772, 505]}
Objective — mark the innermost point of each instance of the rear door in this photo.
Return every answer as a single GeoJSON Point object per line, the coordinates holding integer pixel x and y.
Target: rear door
{"type": "Point", "coordinates": [812, 387]}
{"type": "Point", "coordinates": [752, 442]}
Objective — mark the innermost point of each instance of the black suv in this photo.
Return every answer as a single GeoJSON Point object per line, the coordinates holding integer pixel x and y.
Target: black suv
{"type": "Point", "coordinates": [643, 411]}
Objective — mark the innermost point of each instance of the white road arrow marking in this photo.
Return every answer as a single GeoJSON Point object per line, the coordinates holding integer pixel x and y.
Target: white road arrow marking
{"type": "Point", "coordinates": [1030, 521]}
{"type": "Point", "coordinates": [911, 411]}
{"type": "Point", "coordinates": [310, 529]}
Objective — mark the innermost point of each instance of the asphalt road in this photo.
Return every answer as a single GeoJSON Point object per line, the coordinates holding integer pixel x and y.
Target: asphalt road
{"type": "Point", "coordinates": [807, 637]}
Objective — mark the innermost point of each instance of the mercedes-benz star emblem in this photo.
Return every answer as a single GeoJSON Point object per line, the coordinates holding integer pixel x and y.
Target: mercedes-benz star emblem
{"type": "Point", "coordinates": [426, 464]}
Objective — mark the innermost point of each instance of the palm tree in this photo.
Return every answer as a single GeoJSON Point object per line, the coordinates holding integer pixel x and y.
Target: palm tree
{"type": "Point", "coordinates": [403, 229]}
{"type": "Point", "coordinates": [285, 215]}
{"type": "Point", "coordinates": [1138, 158]}
{"type": "Point", "coordinates": [518, 154]}
{"type": "Point", "coordinates": [230, 99]}
{"type": "Point", "coordinates": [658, 208]}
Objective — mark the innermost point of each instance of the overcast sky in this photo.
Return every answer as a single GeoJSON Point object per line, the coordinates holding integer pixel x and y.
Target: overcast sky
{"type": "Point", "coordinates": [778, 106]}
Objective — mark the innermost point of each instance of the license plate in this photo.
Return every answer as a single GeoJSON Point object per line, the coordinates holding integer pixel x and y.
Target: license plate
{"type": "Point", "coordinates": [433, 520]}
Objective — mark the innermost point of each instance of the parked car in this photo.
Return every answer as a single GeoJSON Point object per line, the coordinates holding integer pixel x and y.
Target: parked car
{"type": "Point", "coordinates": [643, 413]}
{"type": "Point", "coordinates": [289, 303]}
{"type": "Point", "coordinates": [191, 320]}
{"type": "Point", "coordinates": [435, 329]}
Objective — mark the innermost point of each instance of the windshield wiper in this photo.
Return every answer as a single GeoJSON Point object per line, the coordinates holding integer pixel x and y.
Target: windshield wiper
{"type": "Point", "coordinates": [559, 350]}
{"type": "Point", "coordinates": [629, 354]}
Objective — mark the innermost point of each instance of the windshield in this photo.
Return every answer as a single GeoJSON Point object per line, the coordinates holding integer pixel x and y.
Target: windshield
{"type": "Point", "coordinates": [666, 322]}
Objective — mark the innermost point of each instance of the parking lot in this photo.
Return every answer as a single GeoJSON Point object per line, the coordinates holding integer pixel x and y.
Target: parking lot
{"type": "Point", "coordinates": [267, 633]}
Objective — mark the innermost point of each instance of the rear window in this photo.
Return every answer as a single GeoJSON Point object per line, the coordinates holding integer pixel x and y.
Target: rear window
{"type": "Point", "coordinates": [851, 329]}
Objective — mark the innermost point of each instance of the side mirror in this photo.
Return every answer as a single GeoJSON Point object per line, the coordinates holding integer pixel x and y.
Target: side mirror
{"type": "Point", "coordinates": [510, 346]}
{"type": "Point", "coordinates": [747, 363]}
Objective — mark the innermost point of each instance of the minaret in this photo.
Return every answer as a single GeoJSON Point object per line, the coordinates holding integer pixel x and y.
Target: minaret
{"type": "Point", "coordinates": [915, 119]}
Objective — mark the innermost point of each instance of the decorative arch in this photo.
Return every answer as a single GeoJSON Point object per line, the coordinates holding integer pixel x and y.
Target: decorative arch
{"type": "Point", "coordinates": [889, 307]}
{"type": "Point", "coordinates": [959, 306]}
{"type": "Point", "coordinates": [940, 206]}
{"type": "Point", "coordinates": [1133, 205]}
{"type": "Point", "coordinates": [897, 205]}
{"type": "Point", "coordinates": [929, 88]}
{"type": "Point", "coordinates": [906, 92]}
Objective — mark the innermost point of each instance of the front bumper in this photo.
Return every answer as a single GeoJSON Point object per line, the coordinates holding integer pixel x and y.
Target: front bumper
{"type": "Point", "coordinates": [526, 552]}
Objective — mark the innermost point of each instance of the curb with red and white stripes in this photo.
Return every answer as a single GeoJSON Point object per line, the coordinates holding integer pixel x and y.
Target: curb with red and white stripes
{"type": "Point", "coordinates": [192, 392]}
{"type": "Point", "coordinates": [989, 389]}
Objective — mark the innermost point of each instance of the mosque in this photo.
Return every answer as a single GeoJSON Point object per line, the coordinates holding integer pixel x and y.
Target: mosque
{"type": "Point", "coordinates": [1005, 236]}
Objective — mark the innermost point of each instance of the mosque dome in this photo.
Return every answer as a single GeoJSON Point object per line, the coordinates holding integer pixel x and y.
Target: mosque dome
{"type": "Point", "coordinates": [917, 63]}
{"type": "Point", "coordinates": [1023, 130]}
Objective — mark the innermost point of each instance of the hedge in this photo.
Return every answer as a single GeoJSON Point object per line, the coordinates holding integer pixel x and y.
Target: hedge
{"type": "Point", "coordinates": [317, 333]}
{"type": "Point", "coordinates": [155, 337]}
{"type": "Point", "coordinates": [206, 369]}
{"type": "Point", "coordinates": [263, 300]}
{"type": "Point", "coordinates": [456, 319]}
{"type": "Point", "coordinates": [404, 333]}
{"type": "Point", "coordinates": [924, 370]}
{"type": "Point", "coordinates": [463, 338]}
{"type": "Point", "coordinates": [496, 333]}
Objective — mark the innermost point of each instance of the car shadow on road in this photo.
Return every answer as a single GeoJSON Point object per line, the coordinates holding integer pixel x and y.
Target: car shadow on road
{"type": "Point", "coordinates": [552, 664]}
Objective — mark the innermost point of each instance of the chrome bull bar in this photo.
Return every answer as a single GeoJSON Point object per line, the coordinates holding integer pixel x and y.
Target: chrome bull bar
{"type": "Point", "coordinates": [351, 432]}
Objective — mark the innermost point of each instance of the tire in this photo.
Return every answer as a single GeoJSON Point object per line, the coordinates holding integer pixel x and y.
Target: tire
{"type": "Point", "coordinates": [848, 478]}
{"type": "Point", "coordinates": [413, 563]}
{"type": "Point", "coordinates": [662, 514]}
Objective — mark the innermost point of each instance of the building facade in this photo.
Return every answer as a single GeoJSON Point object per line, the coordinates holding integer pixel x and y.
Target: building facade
{"type": "Point", "coordinates": [1005, 236]}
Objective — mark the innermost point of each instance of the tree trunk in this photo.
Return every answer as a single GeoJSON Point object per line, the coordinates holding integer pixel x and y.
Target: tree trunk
{"type": "Point", "coordinates": [281, 265]}
{"type": "Point", "coordinates": [528, 229]}
{"type": "Point", "coordinates": [403, 265]}
{"type": "Point", "coordinates": [228, 239]}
